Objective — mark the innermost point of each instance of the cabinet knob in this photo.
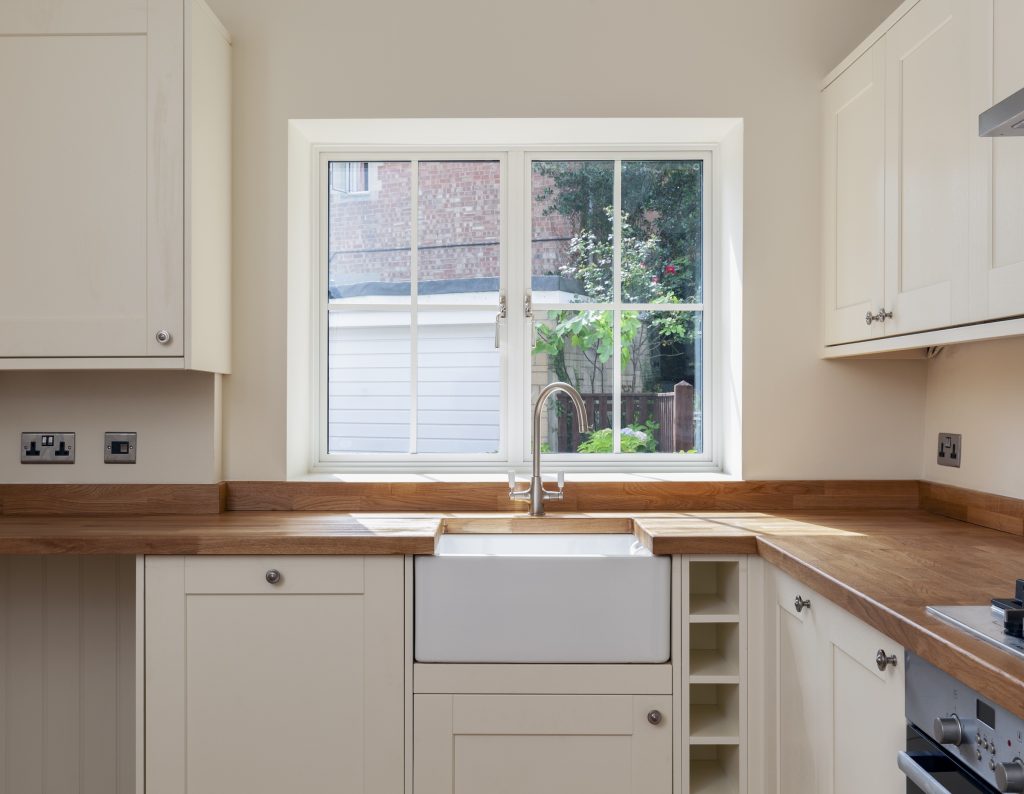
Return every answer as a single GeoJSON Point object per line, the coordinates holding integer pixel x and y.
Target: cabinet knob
{"type": "Point", "coordinates": [800, 603]}
{"type": "Point", "coordinates": [163, 336]}
{"type": "Point", "coordinates": [274, 576]}
{"type": "Point", "coordinates": [882, 316]}
{"type": "Point", "coordinates": [654, 717]}
{"type": "Point", "coordinates": [883, 660]}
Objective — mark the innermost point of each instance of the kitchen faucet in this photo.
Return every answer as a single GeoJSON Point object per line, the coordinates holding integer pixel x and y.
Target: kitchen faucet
{"type": "Point", "coordinates": [535, 494]}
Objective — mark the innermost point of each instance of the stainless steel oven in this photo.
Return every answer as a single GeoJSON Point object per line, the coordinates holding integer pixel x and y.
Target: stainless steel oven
{"type": "Point", "coordinates": [958, 742]}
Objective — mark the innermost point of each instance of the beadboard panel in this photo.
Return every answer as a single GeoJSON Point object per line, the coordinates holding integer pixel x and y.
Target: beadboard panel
{"type": "Point", "coordinates": [67, 674]}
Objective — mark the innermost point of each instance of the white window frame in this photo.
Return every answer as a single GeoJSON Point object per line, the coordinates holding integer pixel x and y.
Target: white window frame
{"type": "Point", "coordinates": [514, 452]}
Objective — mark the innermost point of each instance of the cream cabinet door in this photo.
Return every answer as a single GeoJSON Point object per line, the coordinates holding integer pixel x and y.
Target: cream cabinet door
{"type": "Point", "coordinates": [797, 728]}
{"type": "Point", "coordinates": [863, 705]}
{"type": "Point", "coordinates": [1001, 278]}
{"type": "Point", "coordinates": [92, 168]}
{"type": "Point", "coordinates": [542, 744]}
{"type": "Point", "coordinates": [933, 58]}
{"type": "Point", "coordinates": [266, 688]}
{"type": "Point", "coordinates": [854, 199]}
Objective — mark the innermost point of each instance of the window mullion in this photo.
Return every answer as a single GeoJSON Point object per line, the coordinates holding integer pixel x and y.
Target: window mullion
{"type": "Point", "coordinates": [414, 179]}
{"type": "Point", "coordinates": [517, 275]}
{"type": "Point", "coordinates": [617, 307]}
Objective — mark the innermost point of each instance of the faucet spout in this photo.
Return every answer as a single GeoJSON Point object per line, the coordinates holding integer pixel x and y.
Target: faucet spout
{"type": "Point", "coordinates": [542, 398]}
{"type": "Point", "coordinates": [536, 494]}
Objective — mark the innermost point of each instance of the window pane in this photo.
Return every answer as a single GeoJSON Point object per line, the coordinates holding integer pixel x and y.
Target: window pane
{"type": "Point", "coordinates": [575, 347]}
{"type": "Point", "coordinates": [369, 232]}
{"type": "Point", "coordinates": [368, 381]}
{"type": "Point", "coordinates": [662, 208]}
{"type": "Point", "coordinates": [459, 383]}
{"type": "Point", "coordinates": [661, 381]}
{"type": "Point", "coordinates": [571, 237]}
{"type": "Point", "coordinates": [459, 231]}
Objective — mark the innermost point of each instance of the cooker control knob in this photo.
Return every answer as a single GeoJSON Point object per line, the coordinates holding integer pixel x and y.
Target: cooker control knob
{"type": "Point", "coordinates": [1010, 777]}
{"type": "Point", "coordinates": [948, 730]}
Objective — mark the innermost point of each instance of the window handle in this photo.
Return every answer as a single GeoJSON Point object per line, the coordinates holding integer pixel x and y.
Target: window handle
{"type": "Point", "coordinates": [502, 314]}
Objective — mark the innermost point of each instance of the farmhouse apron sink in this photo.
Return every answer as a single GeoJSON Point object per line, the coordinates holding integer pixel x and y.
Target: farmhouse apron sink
{"type": "Point", "coordinates": [542, 598]}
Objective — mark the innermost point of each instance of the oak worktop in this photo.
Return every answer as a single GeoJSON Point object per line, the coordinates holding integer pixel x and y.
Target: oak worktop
{"type": "Point", "coordinates": [884, 566]}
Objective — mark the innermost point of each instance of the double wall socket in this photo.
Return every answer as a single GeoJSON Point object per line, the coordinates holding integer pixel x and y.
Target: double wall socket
{"type": "Point", "coordinates": [48, 447]}
{"type": "Point", "coordinates": [950, 450]}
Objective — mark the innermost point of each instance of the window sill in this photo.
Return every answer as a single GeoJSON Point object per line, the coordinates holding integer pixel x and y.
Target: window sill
{"type": "Point", "coordinates": [459, 477]}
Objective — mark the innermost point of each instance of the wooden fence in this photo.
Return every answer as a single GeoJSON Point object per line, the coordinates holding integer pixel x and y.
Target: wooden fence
{"type": "Point", "coordinates": [673, 411]}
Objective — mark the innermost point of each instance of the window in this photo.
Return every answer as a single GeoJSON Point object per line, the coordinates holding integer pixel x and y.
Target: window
{"type": "Point", "coordinates": [455, 284]}
{"type": "Point", "coordinates": [351, 178]}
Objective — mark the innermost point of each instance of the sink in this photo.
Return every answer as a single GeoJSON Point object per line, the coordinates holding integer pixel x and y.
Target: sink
{"type": "Point", "coordinates": [555, 598]}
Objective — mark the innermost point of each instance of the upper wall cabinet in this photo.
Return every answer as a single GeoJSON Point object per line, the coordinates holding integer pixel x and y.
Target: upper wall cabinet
{"type": "Point", "coordinates": [115, 166]}
{"type": "Point", "coordinates": [854, 200]}
{"type": "Point", "coordinates": [998, 289]}
{"type": "Point", "coordinates": [923, 219]}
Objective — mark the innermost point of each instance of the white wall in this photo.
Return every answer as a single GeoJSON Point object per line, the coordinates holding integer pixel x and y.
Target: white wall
{"type": "Point", "coordinates": [977, 390]}
{"type": "Point", "coordinates": [727, 58]}
{"type": "Point", "coordinates": [324, 59]}
{"type": "Point", "coordinates": [176, 414]}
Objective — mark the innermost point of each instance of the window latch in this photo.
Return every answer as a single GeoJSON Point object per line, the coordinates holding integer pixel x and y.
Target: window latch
{"type": "Point", "coordinates": [528, 306]}
{"type": "Point", "coordinates": [502, 314]}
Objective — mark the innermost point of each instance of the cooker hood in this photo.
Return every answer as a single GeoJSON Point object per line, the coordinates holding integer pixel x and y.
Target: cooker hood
{"type": "Point", "coordinates": [1003, 119]}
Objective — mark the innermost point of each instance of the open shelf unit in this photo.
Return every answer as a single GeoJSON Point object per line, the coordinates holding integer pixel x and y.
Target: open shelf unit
{"type": "Point", "coordinates": [714, 622]}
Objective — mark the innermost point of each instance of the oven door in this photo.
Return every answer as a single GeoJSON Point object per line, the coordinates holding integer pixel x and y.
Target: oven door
{"type": "Point", "coordinates": [931, 770]}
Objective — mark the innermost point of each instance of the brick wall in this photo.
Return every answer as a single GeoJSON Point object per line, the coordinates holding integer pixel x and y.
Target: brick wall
{"type": "Point", "coordinates": [459, 225]}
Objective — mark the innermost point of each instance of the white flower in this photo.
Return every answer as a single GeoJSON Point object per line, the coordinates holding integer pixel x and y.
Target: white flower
{"type": "Point", "coordinates": [640, 435]}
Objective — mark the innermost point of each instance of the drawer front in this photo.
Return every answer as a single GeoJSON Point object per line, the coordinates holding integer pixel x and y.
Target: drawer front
{"type": "Point", "coordinates": [254, 575]}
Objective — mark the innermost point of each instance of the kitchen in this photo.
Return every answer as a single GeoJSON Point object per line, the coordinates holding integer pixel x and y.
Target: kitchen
{"type": "Point", "coordinates": [794, 202]}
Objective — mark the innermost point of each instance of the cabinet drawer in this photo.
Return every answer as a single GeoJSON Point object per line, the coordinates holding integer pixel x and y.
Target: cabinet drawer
{"type": "Point", "coordinates": [249, 575]}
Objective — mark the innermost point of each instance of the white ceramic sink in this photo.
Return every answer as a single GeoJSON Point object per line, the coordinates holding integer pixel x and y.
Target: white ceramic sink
{"type": "Point", "coordinates": [542, 598]}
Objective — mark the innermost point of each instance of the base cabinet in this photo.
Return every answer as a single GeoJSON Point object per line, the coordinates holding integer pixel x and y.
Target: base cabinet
{"type": "Point", "coordinates": [266, 675]}
{"type": "Point", "coordinates": [836, 711]}
{"type": "Point", "coordinates": [542, 744]}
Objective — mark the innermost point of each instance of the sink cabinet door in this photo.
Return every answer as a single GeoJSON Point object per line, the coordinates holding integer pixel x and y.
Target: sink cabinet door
{"type": "Point", "coordinates": [542, 744]}
{"type": "Point", "coordinates": [266, 688]}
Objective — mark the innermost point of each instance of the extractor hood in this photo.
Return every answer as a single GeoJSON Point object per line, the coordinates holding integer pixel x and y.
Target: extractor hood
{"type": "Point", "coordinates": [1003, 119]}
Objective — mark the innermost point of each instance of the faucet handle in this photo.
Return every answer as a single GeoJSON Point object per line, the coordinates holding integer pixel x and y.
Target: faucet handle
{"type": "Point", "coordinates": [561, 481]}
{"type": "Point", "coordinates": [511, 480]}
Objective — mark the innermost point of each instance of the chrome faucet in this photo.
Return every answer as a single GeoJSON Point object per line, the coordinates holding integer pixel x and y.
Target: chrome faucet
{"type": "Point", "coordinates": [535, 494]}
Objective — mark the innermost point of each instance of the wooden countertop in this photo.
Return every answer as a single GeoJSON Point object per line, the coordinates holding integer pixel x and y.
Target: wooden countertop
{"type": "Point", "coordinates": [884, 566]}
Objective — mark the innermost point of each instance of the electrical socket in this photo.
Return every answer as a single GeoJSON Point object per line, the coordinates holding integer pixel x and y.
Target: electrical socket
{"type": "Point", "coordinates": [48, 447]}
{"type": "Point", "coordinates": [120, 447]}
{"type": "Point", "coordinates": [950, 450]}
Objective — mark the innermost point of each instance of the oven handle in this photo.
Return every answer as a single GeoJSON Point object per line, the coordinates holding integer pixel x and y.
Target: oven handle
{"type": "Point", "coordinates": [918, 775]}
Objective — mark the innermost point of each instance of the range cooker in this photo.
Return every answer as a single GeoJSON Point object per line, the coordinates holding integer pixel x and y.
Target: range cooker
{"type": "Point", "coordinates": [959, 742]}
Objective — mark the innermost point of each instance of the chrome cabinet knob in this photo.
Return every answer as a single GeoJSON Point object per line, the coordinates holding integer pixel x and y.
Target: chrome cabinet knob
{"type": "Point", "coordinates": [948, 730]}
{"type": "Point", "coordinates": [163, 336]}
{"type": "Point", "coordinates": [654, 717]}
{"type": "Point", "coordinates": [274, 576]}
{"type": "Point", "coordinates": [883, 660]}
{"type": "Point", "coordinates": [881, 317]}
{"type": "Point", "coordinates": [1010, 777]}
{"type": "Point", "coordinates": [800, 603]}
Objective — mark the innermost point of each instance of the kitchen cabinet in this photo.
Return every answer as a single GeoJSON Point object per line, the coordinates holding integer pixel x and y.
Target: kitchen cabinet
{"type": "Point", "coordinates": [115, 213]}
{"type": "Point", "coordinates": [836, 710]}
{"type": "Point", "coordinates": [853, 159]}
{"type": "Point", "coordinates": [998, 288]}
{"type": "Point", "coordinates": [921, 224]}
{"type": "Point", "coordinates": [543, 744]}
{"type": "Point", "coordinates": [931, 129]}
{"type": "Point", "coordinates": [270, 674]}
